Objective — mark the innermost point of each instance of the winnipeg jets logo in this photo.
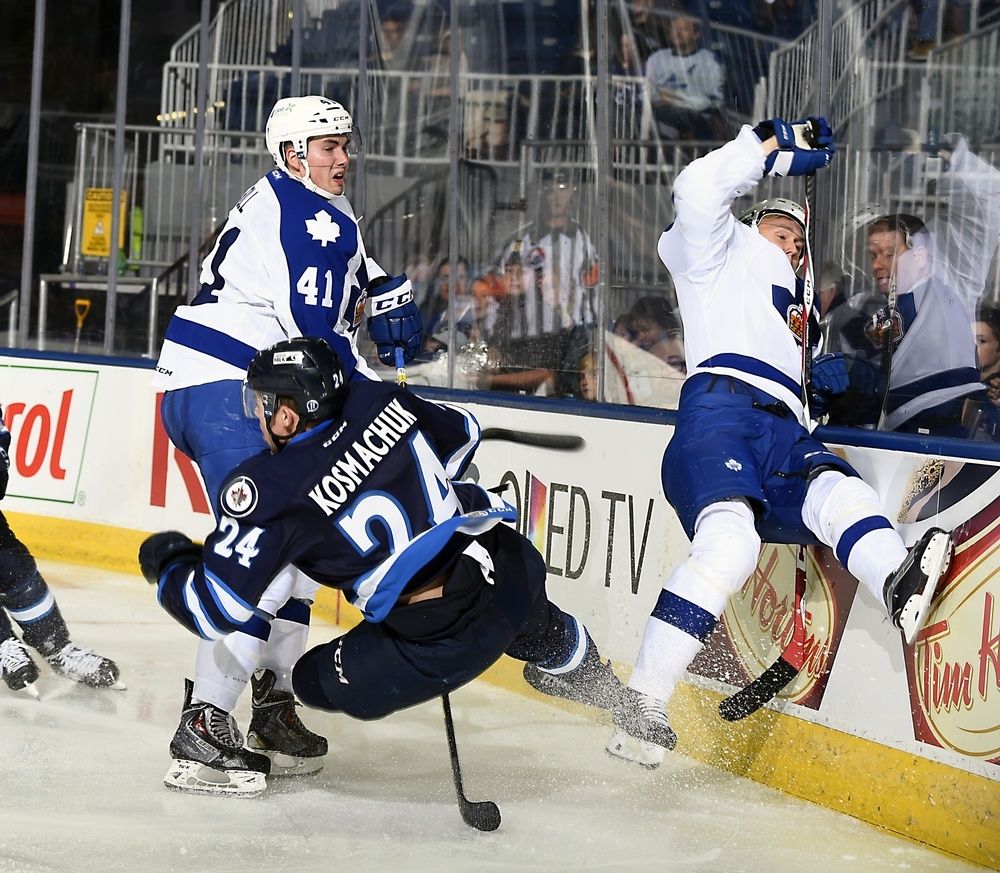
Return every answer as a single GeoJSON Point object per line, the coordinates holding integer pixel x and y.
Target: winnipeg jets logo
{"type": "Point", "coordinates": [322, 228]}
{"type": "Point", "coordinates": [240, 497]}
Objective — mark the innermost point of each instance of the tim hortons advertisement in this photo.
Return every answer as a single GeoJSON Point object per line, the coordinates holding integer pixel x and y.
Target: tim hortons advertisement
{"type": "Point", "coordinates": [953, 669]}
{"type": "Point", "coordinates": [759, 622]}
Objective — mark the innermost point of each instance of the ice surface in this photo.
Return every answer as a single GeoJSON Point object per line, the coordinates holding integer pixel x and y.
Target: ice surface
{"type": "Point", "coordinates": [81, 789]}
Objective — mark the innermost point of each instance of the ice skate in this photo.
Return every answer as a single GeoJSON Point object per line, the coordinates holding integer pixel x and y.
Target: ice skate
{"type": "Point", "coordinates": [86, 666]}
{"type": "Point", "coordinates": [17, 668]}
{"type": "Point", "coordinates": [592, 682]}
{"type": "Point", "coordinates": [209, 756]}
{"type": "Point", "coordinates": [277, 731]}
{"type": "Point", "coordinates": [909, 591]}
{"type": "Point", "coordinates": [642, 732]}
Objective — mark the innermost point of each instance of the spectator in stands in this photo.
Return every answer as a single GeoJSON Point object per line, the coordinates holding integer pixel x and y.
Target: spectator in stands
{"type": "Point", "coordinates": [953, 19]}
{"type": "Point", "coordinates": [627, 65]}
{"type": "Point", "coordinates": [652, 320]}
{"type": "Point", "coordinates": [434, 310]}
{"type": "Point", "coordinates": [933, 381]}
{"type": "Point", "coordinates": [685, 83]}
{"type": "Point", "coordinates": [785, 19]}
{"type": "Point", "coordinates": [987, 334]}
{"type": "Point", "coordinates": [551, 270]}
{"type": "Point", "coordinates": [392, 27]}
{"type": "Point", "coordinates": [587, 368]}
{"type": "Point", "coordinates": [924, 342]}
{"type": "Point", "coordinates": [648, 27]}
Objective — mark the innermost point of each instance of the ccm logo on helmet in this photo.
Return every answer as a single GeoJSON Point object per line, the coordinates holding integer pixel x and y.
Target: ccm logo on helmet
{"type": "Point", "coordinates": [288, 358]}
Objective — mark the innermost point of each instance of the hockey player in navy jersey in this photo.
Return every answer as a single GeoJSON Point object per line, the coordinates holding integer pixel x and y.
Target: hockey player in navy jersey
{"type": "Point", "coordinates": [742, 466]}
{"type": "Point", "coordinates": [289, 261]}
{"type": "Point", "coordinates": [26, 598]}
{"type": "Point", "coordinates": [362, 491]}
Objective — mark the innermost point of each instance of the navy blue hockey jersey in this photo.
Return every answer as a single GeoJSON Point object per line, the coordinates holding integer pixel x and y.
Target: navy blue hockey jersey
{"type": "Point", "coordinates": [367, 504]}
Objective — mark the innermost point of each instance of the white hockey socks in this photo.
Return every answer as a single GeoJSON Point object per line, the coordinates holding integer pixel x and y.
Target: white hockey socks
{"type": "Point", "coordinates": [285, 646]}
{"type": "Point", "coordinates": [223, 668]}
{"type": "Point", "coordinates": [845, 514]}
{"type": "Point", "coordinates": [723, 554]}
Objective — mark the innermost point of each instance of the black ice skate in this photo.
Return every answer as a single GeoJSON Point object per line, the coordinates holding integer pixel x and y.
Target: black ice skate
{"type": "Point", "coordinates": [209, 756]}
{"type": "Point", "coordinates": [592, 682]}
{"type": "Point", "coordinates": [16, 666]}
{"type": "Point", "coordinates": [86, 667]}
{"type": "Point", "coordinates": [642, 731]}
{"type": "Point", "coordinates": [277, 731]}
{"type": "Point", "coordinates": [909, 591]}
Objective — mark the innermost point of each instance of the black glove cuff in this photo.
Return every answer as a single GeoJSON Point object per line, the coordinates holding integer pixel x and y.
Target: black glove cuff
{"type": "Point", "coordinates": [764, 130]}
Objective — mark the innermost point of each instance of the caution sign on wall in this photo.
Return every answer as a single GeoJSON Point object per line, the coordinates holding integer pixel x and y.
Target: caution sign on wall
{"type": "Point", "coordinates": [97, 222]}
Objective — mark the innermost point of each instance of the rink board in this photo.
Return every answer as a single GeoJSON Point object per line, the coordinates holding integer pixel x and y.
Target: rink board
{"type": "Point", "coordinates": [904, 737]}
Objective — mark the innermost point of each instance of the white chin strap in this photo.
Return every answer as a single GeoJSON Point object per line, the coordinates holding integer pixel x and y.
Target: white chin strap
{"type": "Point", "coordinates": [307, 179]}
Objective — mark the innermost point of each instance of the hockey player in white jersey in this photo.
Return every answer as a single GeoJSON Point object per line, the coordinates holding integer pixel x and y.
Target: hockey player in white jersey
{"type": "Point", "coordinates": [742, 467]}
{"type": "Point", "coordinates": [290, 261]}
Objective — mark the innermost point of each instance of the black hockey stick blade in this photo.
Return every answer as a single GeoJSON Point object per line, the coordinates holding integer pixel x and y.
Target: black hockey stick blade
{"type": "Point", "coordinates": [483, 815]}
{"type": "Point", "coordinates": [763, 689]}
{"type": "Point", "coordinates": [560, 441]}
{"type": "Point", "coordinates": [791, 660]}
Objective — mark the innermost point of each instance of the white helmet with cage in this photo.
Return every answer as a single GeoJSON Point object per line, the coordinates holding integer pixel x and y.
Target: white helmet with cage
{"type": "Point", "coordinates": [298, 120]}
{"type": "Point", "coordinates": [774, 206]}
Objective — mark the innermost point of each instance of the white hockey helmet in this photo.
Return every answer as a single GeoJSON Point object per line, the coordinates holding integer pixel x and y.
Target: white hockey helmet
{"type": "Point", "coordinates": [774, 206]}
{"type": "Point", "coordinates": [299, 119]}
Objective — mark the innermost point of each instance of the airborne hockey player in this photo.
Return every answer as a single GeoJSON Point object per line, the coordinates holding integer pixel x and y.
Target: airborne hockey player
{"type": "Point", "coordinates": [361, 491]}
{"type": "Point", "coordinates": [742, 466]}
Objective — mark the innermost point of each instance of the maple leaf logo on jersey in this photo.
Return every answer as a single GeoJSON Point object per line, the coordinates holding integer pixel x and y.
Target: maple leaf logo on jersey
{"type": "Point", "coordinates": [322, 228]}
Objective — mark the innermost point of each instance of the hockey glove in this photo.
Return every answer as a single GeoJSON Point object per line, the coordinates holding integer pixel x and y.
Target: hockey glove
{"type": "Point", "coordinates": [160, 550]}
{"type": "Point", "coordinates": [804, 146]}
{"type": "Point", "coordinates": [4, 457]}
{"type": "Point", "coordinates": [395, 320]}
{"type": "Point", "coordinates": [829, 378]}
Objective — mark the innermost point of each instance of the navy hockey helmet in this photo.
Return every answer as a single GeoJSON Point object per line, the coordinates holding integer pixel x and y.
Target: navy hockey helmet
{"type": "Point", "coordinates": [304, 370]}
{"type": "Point", "coordinates": [774, 206]}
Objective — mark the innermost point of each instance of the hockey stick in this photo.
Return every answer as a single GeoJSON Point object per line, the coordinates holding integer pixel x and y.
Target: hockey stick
{"type": "Point", "coordinates": [560, 441]}
{"type": "Point", "coordinates": [888, 326]}
{"type": "Point", "coordinates": [764, 688]}
{"type": "Point", "coordinates": [791, 660]}
{"type": "Point", "coordinates": [483, 815]}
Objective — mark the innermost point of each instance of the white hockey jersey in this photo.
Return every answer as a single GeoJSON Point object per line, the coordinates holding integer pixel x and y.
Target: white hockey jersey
{"type": "Point", "coordinates": [738, 295]}
{"type": "Point", "coordinates": [288, 263]}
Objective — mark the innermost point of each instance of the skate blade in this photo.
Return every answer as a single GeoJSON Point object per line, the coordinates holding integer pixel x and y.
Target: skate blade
{"type": "Point", "coordinates": [192, 776]}
{"type": "Point", "coordinates": [624, 746]}
{"type": "Point", "coordinates": [934, 563]}
{"type": "Point", "coordinates": [32, 691]}
{"type": "Point", "coordinates": [289, 765]}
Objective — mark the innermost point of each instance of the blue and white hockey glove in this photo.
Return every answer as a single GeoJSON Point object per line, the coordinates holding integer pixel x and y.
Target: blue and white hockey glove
{"type": "Point", "coordinates": [804, 146]}
{"type": "Point", "coordinates": [4, 457]}
{"type": "Point", "coordinates": [395, 320]}
{"type": "Point", "coordinates": [160, 550]}
{"type": "Point", "coordinates": [829, 378]}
